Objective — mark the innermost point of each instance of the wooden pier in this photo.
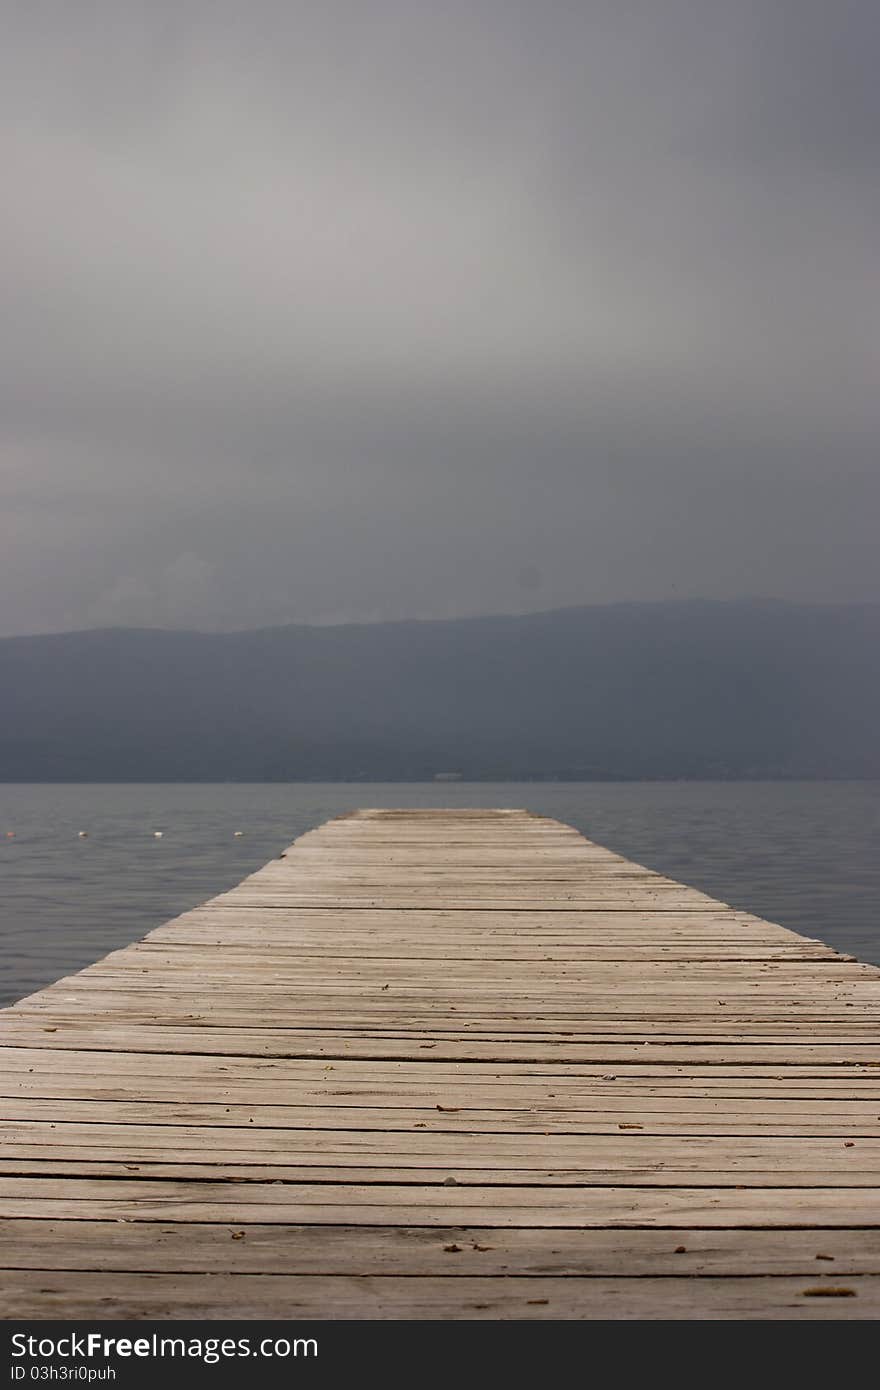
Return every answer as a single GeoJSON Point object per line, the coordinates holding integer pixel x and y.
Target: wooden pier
{"type": "Point", "coordinates": [447, 1064]}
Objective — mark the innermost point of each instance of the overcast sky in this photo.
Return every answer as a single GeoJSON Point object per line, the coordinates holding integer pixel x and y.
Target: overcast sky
{"type": "Point", "coordinates": [351, 310]}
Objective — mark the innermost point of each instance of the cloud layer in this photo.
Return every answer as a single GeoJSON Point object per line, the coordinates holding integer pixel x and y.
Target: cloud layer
{"type": "Point", "coordinates": [351, 311]}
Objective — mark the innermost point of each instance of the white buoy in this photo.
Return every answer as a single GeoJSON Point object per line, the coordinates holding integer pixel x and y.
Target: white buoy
{"type": "Point", "coordinates": [83, 834]}
{"type": "Point", "coordinates": [238, 834]}
{"type": "Point", "coordinates": [157, 834]}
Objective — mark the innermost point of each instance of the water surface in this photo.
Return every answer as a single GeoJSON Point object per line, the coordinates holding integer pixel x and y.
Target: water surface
{"type": "Point", "coordinates": [801, 853]}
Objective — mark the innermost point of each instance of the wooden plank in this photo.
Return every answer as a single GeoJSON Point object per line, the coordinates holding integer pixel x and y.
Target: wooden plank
{"type": "Point", "coordinates": [617, 1152]}
{"type": "Point", "coordinates": [53, 1062]}
{"type": "Point", "coordinates": [680, 1122]}
{"type": "Point", "coordinates": [417, 1250]}
{"type": "Point", "coordinates": [228, 1166]}
{"type": "Point", "coordinates": [672, 1208]}
{"type": "Point", "coordinates": [226, 1296]}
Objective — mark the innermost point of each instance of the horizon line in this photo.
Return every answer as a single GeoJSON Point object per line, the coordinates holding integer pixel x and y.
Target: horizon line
{"type": "Point", "coordinates": [495, 616]}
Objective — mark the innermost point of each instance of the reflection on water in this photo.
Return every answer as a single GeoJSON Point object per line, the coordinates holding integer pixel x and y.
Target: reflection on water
{"type": "Point", "coordinates": [804, 854]}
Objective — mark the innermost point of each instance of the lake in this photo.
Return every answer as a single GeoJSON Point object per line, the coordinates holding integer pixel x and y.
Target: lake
{"type": "Point", "coordinates": [801, 853]}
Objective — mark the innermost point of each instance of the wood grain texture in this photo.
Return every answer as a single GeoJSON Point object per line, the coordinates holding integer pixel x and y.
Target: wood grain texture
{"type": "Point", "coordinates": [447, 1064]}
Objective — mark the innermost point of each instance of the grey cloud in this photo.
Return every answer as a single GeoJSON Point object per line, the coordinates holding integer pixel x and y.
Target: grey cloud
{"type": "Point", "coordinates": [361, 310]}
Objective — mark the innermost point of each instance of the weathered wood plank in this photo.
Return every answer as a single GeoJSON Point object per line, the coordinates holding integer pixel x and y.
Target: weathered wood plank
{"type": "Point", "coordinates": [672, 1208]}
{"type": "Point", "coordinates": [225, 1296]}
{"type": "Point", "coordinates": [418, 1250]}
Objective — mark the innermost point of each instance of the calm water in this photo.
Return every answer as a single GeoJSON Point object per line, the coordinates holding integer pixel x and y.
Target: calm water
{"type": "Point", "coordinates": [804, 854]}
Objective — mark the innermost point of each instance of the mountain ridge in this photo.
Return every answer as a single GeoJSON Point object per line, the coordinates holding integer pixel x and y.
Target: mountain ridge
{"type": "Point", "coordinates": [673, 688]}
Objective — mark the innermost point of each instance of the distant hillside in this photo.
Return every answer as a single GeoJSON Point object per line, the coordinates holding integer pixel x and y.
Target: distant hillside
{"type": "Point", "coordinates": [694, 689]}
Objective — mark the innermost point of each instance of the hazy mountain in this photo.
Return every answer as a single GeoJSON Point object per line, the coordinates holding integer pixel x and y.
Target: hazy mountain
{"type": "Point", "coordinates": [691, 689]}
